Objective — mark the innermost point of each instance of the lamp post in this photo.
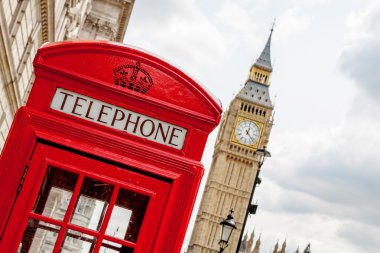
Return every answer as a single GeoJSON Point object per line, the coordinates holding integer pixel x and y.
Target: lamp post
{"type": "Point", "coordinates": [228, 226]}
{"type": "Point", "coordinates": [262, 154]}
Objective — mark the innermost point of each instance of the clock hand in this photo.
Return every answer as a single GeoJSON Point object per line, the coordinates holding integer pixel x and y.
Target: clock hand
{"type": "Point", "coordinates": [251, 137]}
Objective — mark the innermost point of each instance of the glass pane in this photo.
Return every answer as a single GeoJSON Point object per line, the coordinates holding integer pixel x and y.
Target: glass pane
{"type": "Point", "coordinates": [92, 204]}
{"type": "Point", "coordinates": [55, 193]}
{"type": "Point", "coordinates": [111, 247]}
{"type": "Point", "coordinates": [127, 215]}
{"type": "Point", "coordinates": [78, 242]}
{"type": "Point", "coordinates": [38, 237]}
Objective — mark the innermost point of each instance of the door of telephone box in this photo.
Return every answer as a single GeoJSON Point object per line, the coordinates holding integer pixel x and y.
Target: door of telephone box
{"type": "Point", "coordinates": [70, 202]}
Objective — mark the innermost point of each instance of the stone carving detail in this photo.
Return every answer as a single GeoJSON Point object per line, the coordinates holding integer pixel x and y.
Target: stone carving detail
{"type": "Point", "coordinates": [76, 16]}
{"type": "Point", "coordinates": [97, 26]}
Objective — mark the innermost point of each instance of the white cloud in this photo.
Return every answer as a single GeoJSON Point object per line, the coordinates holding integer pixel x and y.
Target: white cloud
{"type": "Point", "coordinates": [310, 2]}
{"type": "Point", "coordinates": [360, 56]}
{"type": "Point", "coordinates": [322, 231]}
{"type": "Point", "coordinates": [357, 233]}
{"type": "Point", "coordinates": [178, 31]}
{"type": "Point", "coordinates": [301, 218]}
{"type": "Point", "coordinates": [236, 20]}
{"type": "Point", "coordinates": [291, 22]}
{"type": "Point", "coordinates": [363, 25]}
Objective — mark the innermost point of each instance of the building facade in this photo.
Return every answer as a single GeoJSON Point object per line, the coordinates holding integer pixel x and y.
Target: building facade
{"type": "Point", "coordinates": [246, 246]}
{"type": "Point", "coordinates": [245, 128]}
{"type": "Point", "coordinates": [26, 25]}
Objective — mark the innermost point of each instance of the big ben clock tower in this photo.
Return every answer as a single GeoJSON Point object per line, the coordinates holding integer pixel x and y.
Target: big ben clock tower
{"type": "Point", "coordinates": [245, 128]}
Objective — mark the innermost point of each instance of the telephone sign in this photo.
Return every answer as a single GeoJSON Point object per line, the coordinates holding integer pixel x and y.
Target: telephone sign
{"type": "Point", "coordinates": [105, 156]}
{"type": "Point", "coordinates": [118, 118]}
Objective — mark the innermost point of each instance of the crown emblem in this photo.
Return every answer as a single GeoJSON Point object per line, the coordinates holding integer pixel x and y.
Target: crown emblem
{"type": "Point", "coordinates": [133, 77]}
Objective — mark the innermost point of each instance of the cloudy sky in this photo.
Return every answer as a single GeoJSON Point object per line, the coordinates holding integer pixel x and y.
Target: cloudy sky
{"type": "Point", "coordinates": [322, 183]}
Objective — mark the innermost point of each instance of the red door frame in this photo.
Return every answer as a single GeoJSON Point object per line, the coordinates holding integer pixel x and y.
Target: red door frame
{"type": "Point", "coordinates": [44, 156]}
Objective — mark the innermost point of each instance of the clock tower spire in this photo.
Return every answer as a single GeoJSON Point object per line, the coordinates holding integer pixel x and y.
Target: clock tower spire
{"type": "Point", "coordinates": [236, 164]}
{"type": "Point", "coordinates": [262, 68]}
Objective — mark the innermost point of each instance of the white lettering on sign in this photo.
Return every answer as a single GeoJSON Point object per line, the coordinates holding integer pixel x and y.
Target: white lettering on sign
{"type": "Point", "coordinates": [118, 118]}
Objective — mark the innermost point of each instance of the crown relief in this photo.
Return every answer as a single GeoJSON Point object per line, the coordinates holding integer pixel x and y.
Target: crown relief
{"type": "Point", "coordinates": [133, 77]}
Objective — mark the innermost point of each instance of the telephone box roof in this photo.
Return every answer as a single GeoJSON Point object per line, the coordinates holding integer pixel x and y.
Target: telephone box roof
{"type": "Point", "coordinates": [131, 71]}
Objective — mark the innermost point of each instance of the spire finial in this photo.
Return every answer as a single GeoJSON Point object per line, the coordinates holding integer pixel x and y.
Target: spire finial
{"type": "Point", "coordinates": [264, 61]}
{"type": "Point", "coordinates": [273, 25]}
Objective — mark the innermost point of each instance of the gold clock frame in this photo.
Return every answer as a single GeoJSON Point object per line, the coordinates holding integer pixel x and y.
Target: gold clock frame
{"type": "Point", "coordinates": [234, 140]}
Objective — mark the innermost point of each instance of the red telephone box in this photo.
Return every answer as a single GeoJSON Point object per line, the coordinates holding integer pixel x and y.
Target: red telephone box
{"type": "Point", "coordinates": [105, 156]}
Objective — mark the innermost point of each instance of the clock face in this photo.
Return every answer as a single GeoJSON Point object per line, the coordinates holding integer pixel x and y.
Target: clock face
{"type": "Point", "coordinates": [247, 132]}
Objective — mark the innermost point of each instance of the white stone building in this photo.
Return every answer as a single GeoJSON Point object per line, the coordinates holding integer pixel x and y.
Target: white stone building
{"type": "Point", "coordinates": [26, 24]}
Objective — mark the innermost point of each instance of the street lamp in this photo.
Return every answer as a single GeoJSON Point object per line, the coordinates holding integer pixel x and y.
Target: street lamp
{"type": "Point", "coordinates": [228, 226]}
{"type": "Point", "coordinates": [262, 154]}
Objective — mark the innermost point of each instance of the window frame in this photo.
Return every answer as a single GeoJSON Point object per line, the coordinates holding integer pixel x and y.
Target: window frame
{"type": "Point", "coordinates": [45, 156]}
